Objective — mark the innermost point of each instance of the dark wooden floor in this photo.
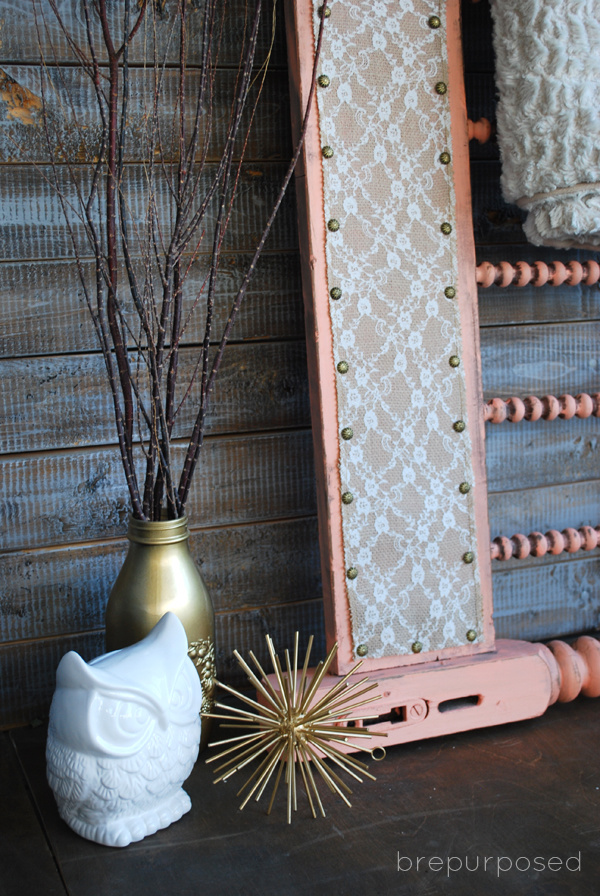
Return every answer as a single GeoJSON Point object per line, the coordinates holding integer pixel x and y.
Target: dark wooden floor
{"type": "Point", "coordinates": [519, 792]}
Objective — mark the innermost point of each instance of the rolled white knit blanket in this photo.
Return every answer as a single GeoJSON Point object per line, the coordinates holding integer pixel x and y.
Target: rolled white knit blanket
{"type": "Point", "coordinates": [548, 116]}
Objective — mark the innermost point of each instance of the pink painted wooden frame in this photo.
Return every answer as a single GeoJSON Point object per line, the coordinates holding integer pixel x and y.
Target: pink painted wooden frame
{"type": "Point", "coordinates": [467, 686]}
{"type": "Point", "coordinates": [321, 366]}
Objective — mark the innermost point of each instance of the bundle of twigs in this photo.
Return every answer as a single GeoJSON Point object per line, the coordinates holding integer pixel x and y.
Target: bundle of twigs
{"type": "Point", "coordinates": [141, 316]}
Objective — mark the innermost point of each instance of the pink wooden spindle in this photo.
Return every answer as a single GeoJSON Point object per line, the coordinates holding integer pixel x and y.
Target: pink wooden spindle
{"type": "Point", "coordinates": [568, 406]}
{"type": "Point", "coordinates": [505, 273]}
{"type": "Point", "coordinates": [548, 407]}
{"type": "Point", "coordinates": [516, 409]}
{"type": "Point", "coordinates": [486, 273]}
{"type": "Point", "coordinates": [495, 410]}
{"type": "Point", "coordinates": [573, 540]}
{"type": "Point", "coordinates": [576, 273]}
{"type": "Point", "coordinates": [577, 673]}
{"type": "Point", "coordinates": [538, 274]}
{"type": "Point", "coordinates": [589, 649]}
{"type": "Point", "coordinates": [556, 542]}
{"type": "Point", "coordinates": [523, 274]}
{"type": "Point", "coordinates": [551, 407]}
{"type": "Point", "coordinates": [539, 544]}
{"type": "Point", "coordinates": [541, 273]}
{"type": "Point", "coordinates": [585, 405]}
{"type": "Point", "coordinates": [589, 538]}
{"type": "Point", "coordinates": [534, 408]}
{"type": "Point", "coordinates": [559, 273]}
{"type": "Point", "coordinates": [501, 548]}
{"type": "Point", "coordinates": [480, 130]}
{"type": "Point", "coordinates": [519, 546]}
{"type": "Point", "coordinates": [592, 269]}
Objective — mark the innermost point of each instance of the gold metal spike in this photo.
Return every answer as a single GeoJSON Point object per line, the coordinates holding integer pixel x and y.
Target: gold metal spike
{"type": "Point", "coordinates": [294, 729]}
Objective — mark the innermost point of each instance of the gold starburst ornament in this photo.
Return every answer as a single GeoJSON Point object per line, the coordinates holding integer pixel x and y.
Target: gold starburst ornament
{"type": "Point", "coordinates": [294, 728]}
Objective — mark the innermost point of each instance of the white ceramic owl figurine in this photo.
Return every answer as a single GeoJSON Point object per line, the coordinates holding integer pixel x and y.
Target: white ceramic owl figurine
{"type": "Point", "coordinates": [123, 737]}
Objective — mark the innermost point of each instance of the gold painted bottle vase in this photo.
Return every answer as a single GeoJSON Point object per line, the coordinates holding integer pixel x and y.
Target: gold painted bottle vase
{"type": "Point", "coordinates": [158, 575]}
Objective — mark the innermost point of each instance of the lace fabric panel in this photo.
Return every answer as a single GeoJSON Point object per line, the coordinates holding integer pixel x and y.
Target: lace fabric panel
{"type": "Point", "coordinates": [407, 527]}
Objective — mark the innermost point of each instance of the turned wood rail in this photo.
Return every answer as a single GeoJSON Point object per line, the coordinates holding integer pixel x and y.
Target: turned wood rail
{"type": "Point", "coordinates": [480, 130]}
{"type": "Point", "coordinates": [548, 407]}
{"type": "Point", "coordinates": [532, 408]}
{"type": "Point", "coordinates": [575, 667]}
{"type": "Point", "coordinates": [537, 544]}
{"type": "Point", "coordinates": [555, 273]}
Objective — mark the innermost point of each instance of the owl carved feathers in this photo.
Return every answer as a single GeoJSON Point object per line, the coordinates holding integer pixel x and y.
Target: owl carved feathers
{"type": "Point", "coordinates": [123, 736]}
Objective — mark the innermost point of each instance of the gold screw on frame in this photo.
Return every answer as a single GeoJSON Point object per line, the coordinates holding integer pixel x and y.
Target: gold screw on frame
{"type": "Point", "coordinates": [294, 729]}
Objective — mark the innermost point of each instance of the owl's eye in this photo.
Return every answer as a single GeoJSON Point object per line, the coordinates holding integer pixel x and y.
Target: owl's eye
{"type": "Point", "coordinates": [119, 727]}
{"type": "Point", "coordinates": [182, 696]}
{"type": "Point", "coordinates": [132, 718]}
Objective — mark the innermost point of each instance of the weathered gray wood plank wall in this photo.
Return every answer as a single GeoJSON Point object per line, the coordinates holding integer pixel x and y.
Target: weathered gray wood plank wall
{"type": "Point", "coordinates": [63, 506]}
{"type": "Point", "coordinates": [63, 502]}
{"type": "Point", "coordinates": [534, 341]}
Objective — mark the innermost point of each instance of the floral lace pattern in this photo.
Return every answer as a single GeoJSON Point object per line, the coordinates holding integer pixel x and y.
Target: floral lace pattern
{"type": "Point", "coordinates": [406, 526]}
